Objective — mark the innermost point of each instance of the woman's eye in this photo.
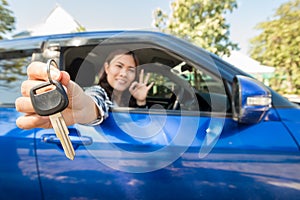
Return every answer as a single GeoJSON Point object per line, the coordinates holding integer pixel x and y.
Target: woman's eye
{"type": "Point", "coordinates": [132, 70]}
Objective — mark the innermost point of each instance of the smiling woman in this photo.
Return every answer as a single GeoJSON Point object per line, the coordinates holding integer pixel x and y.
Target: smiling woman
{"type": "Point", "coordinates": [118, 85]}
{"type": "Point", "coordinates": [119, 79]}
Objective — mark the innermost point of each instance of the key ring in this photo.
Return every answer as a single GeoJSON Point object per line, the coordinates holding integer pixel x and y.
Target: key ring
{"type": "Point", "coordinates": [48, 69]}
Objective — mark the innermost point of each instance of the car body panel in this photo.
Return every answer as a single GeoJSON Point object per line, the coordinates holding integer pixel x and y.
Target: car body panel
{"type": "Point", "coordinates": [290, 117]}
{"type": "Point", "coordinates": [18, 170]}
{"type": "Point", "coordinates": [267, 163]}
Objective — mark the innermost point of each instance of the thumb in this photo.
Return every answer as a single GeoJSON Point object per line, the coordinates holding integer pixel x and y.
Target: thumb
{"type": "Point", "coordinates": [64, 78]}
{"type": "Point", "coordinates": [73, 89]}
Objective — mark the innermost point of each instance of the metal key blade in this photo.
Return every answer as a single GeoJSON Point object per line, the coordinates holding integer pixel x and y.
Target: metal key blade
{"type": "Point", "coordinates": [62, 133]}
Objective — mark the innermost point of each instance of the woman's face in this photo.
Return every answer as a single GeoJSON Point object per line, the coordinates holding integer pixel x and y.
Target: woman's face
{"type": "Point", "coordinates": [121, 72]}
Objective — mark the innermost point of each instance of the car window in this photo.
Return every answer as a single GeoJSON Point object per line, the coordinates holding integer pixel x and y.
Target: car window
{"type": "Point", "coordinates": [179, 84]}
{"type": "Point", "coordinates": [12, 73]}
{"type": "Point", "coordinates": [192, 87]}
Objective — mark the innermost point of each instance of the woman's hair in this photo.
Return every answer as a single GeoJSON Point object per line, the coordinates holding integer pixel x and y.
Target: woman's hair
{"type": "Point", "coordinates": [126, 96]}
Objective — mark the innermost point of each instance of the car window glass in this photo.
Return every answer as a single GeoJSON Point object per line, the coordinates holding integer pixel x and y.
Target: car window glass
{"type": "Point", "coordinates": [206, 88]}
{"type": "Point", "coordinates": [12, 73]}
{"type": "Point", "coordinates": [179, 84]}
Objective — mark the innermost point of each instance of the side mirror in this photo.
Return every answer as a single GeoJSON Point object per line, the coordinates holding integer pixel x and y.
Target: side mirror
{"type": "Point", "coordinates": [250, 100]}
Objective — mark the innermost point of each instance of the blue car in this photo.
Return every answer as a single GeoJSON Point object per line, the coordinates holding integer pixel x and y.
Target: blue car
{"type": "Point", "coordinates": [210, 130]}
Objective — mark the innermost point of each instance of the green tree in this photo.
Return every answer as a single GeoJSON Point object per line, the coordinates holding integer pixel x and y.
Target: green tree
{"type": "Point", "coordinates": [7, 20]}
{"type": "Point", "coordinates": [199, 21]}
{"type": "Point", "coordinates": [80, 29]}
{"type": "Point", "coordinates": [278, 45]}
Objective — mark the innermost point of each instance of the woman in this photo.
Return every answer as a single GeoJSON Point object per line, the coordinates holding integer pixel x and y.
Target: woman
{"type": "Point", "coordinates": [116, 86]}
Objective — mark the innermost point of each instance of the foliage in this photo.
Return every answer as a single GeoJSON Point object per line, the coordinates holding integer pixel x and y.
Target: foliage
{"type": "Point", "coordinates": [12, 71]}
{"type": "Point", "coordinates": [278, 45]}
{"type": "Point", "coordinates": [7, 19]}
{"type": "Point", "coordinates": [80, 29]}
{"type": "Point", "coordinates": [199, 21]}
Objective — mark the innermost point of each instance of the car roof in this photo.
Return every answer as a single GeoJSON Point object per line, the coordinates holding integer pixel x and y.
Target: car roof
{"type": "Point", "coordinates": [35, 42]}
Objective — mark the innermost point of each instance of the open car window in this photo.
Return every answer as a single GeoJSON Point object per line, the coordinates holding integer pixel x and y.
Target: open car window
{"type": "Point", "coordinates": [179, 84]}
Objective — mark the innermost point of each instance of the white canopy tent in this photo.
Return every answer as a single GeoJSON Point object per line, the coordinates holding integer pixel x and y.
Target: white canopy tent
{"type": "Point", "coordinates": [251, 66]}
{"type": "Point", "coordinates": [248, 64]}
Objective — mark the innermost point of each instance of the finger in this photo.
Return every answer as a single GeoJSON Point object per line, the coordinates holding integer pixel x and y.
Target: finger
{"type": "Point", "coordinates": [147, 78]}
{"type": "Point", "coordinates": [33, 121]}
{"type": "Point", "coordinates": [27, 85]}
{"type": "Point", "coordinates": [150, 86]}
{"type": "Point", "coordinates": [65, 78]}
{"type": "Point", "coordinates": [133, 86]}
{"type": "Point", "coordinates": [23, 104]}
{"type": "Point", "coordinates": [141, 79]}
{"type": "Point", "coordinates": [74, 91]}
{"type": "Point", "coordinates": [38, 71]}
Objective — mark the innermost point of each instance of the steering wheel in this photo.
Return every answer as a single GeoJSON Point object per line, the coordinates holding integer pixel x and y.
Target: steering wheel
{"type": "Point", "coordinates": [176, 98]}
{"type": "Point", "coordinates": [183, 95]}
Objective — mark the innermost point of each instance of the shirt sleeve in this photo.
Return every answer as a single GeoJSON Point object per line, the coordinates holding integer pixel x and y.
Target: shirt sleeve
{"type": "Point", "coordinates": [99, 96]}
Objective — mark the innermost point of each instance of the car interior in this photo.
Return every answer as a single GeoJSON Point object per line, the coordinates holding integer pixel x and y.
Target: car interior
{"type": "Point", "coordinates": [178, 84]}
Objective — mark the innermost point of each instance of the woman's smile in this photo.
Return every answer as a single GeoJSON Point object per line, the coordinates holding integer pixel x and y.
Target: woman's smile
{"type": "Point", "coordinates": [121, 72]}
{"type": "Point", "coordinates": [121, 81]}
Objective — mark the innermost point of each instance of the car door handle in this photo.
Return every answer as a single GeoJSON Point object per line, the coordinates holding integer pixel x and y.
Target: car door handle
{"type": "Point", "coordinates": [75, 140]}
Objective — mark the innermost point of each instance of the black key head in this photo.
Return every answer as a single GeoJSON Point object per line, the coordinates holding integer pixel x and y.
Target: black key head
{"type": "Point", "coordinates": [49, 98]}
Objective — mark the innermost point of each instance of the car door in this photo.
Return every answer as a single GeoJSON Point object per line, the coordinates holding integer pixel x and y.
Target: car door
{"type": "Point", "coordinates": [18, 170]}
{"type": "Point", "coordinates": [185, 145]}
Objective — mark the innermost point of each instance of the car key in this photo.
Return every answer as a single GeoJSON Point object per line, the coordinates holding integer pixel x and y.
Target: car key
{"type": "Point", "coordinates": [49, 99]}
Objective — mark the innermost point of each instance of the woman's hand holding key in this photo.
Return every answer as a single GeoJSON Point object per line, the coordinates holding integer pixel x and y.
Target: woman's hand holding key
{"type": "Point", "coordinates": [81, 108]}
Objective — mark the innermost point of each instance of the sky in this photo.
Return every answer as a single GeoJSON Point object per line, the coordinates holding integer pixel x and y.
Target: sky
{"type": "Point", "coordinates": [138, 15]}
